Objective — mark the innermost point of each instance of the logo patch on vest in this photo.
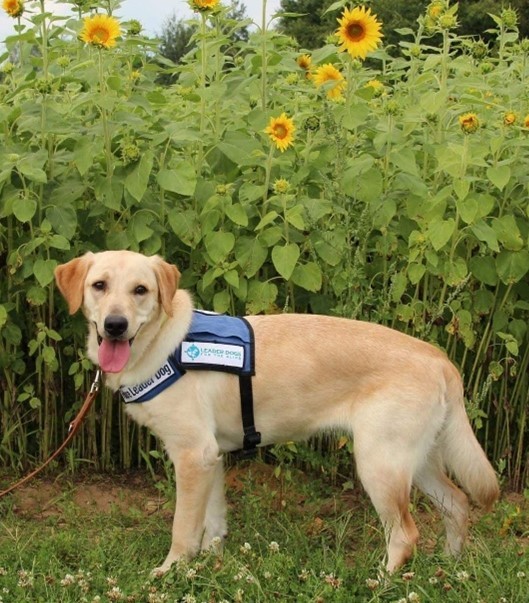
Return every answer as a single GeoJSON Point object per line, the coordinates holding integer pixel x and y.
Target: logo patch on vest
{"type": "Point", "coordinates": [217, 354]}
{"type": "Point", "coordinates": [134, 392]}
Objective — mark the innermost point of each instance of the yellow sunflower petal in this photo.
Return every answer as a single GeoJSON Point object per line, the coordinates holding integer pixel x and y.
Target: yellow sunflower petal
{"type": "Point", "coordinates": [14, 8]}
{"type": "Point", "coordinates": [329, 73]}
{"type": "Point", "coordinates": [359, 32]}
{"type": "Point", "coordinates": [101, 30]}
{"type": "Point", "coordinates": [281, 131]}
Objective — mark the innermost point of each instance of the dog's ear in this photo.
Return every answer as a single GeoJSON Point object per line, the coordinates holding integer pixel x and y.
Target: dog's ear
{"type": "Point", "coordinates": [70, 278]}
{"type": "Point", "coordinates": [168, 277]}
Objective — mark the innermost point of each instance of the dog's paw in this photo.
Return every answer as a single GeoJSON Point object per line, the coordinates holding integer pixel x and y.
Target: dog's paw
{"type": "Point", "coordinates": [159, 572]}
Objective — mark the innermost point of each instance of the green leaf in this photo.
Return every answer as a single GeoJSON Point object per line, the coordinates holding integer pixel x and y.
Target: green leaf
{"type": "Point", "coordinates": [269, 218]}
{"type": "Point", "coordinates": [31, 172]}
{"type": "Point", "coordinates": [440, 231]}
{"type": "Point", "coordinates": [468, 209]}
{"type": "Point", "coordinates": [416, 272]}
{"type": "Point", "coordinates": [219, 245]}
{"type": "Point", "coordinates": [237, 214]}
{"type": "Point", "coordinates": [83, 155]}
{"type": "Point", "coordinates": [250, 254]}
{"type": "Point", "coordinates": [484, 269]}
{"type": "Point", "coordinates": [308, 276]}
{"type": "Point", "coordinates": [140, 226]}
{"type": "Point", "coordinates": [221, 302]}
{"type": "Point", "coordinates": [3, 316]}
{"type": "Point", "coordinates": [508, 232]}
{"type": "Point", "coordinates": [512, 266]}
{"type": "Point", "coordinates": [63, 220]}
{"type": "Point", "coordinates": [24, 209]}
{"type": "Point", "coordinates": [285, 259]}
{"type": "Point", "coordinates": [136, 182]}
{"type": "Point", "coordinates": [483, 232]}
{"type": "Point", "coordinates": [180, 179]}
{"type": "Point", "coordinates": [499, 175]}
{"type": "Point", "coordinates": [261, 296]}
{"type": "Point", "coordinates": [294, 216]}
{"type": "Point", "coordinates": [241, 148]}
{"type": "Point", "coordinates": [185, 225]}
{"type": "Point", "coordinates": [43, 271]}
{"type": "Point", "coordinates": [232, 278]}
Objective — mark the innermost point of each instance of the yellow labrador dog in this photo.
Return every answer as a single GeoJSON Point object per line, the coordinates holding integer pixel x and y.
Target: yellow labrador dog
{"type": "Point", "coordinates": [400, 398]}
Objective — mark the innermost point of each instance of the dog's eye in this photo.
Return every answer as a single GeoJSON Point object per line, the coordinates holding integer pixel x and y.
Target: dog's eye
{"type": "Point", "coordinates": [99, 286]}
{"type": "Point", "coordinates": [140, 290]}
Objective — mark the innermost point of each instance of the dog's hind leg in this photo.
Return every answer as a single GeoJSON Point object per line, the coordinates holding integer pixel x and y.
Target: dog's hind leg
{"type": "Point", "coordinates": [450, 500]}
{"type": "Point", "coordinates": [216, 525]}
{"type": "Point", "coordinates": [386, 477]}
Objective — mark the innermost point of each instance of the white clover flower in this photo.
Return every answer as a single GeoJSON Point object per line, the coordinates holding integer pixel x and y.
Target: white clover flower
{"type": "Point", "coordinates": [372, 584]}
{"type": "Point", "coordinates": [414, 597]}
{"type": "Point", "coordinates": [273, 547]}
{"type": "Point", "coordinates": [304, 575]}
{"type": "Point", "coordinates": [520, 575]}
{"type": "Point", "coordinates": [462, 576]}
{"type": "Point", "coordinates": [433, 580]}
{"type": "Point", "coordinates": [3, 571]}
{"type": "Point", "coordinates": [191, 573]}
{"type": "Point", "coordinates": [246, 548]}
{"type": "Point", "coordinates": [267, 575]}
{"type": "Point", "coordinates": [189, 599]}
{"type": "Point", "coordinates": [68, 580]}
{"type": "Point", "coordinates": [115, 594]}
{"type": "Point", "coordinates": [407, 576]}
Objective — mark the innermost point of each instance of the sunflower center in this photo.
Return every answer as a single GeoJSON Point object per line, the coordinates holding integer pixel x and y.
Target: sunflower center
{"type": "Point", "coordinates": [100, 34]}
{"type": "Point", "coordinates": [280, 131]}
{"type": "Point", "coordinates": [356, 32]}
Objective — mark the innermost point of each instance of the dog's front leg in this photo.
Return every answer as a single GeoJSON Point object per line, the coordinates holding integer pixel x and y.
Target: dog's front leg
{"type": "Point", "coordinates": [195, 474]}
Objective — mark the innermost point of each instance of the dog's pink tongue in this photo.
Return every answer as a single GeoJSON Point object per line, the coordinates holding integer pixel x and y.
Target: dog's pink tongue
{"type": "Point", "coordinates": [113, 355]}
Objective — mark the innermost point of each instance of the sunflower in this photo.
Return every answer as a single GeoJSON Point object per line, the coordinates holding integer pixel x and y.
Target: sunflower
{"type": "Point", "coordinates": [509, 118]}
{"type": "Point", "coordinates": [359, 32]}
{"type": "Point", "coordinates": [281, 131]}
{"type": "Point", "coordinates": [304, 61]}
{"type": "Point", "coordinates": [203, 5]}
{"type": "Point", "coordinates": [100, 30]}
{"type": "Point", "coordinates": [526, 121]}
{"type": "Point", "coordinates": [329, 73]}
{"type": "Point", "coordinates": [469, 122]}
{"type": "Point", "coordinates": [14, 8]}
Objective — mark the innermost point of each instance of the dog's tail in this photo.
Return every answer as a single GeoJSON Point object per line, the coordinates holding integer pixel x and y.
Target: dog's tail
{"type": "Point", "coordinates": [462, 453]}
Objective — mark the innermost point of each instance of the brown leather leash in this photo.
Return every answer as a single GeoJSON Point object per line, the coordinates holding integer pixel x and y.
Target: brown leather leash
{"type": "Point", "coordinates": [73, 428]}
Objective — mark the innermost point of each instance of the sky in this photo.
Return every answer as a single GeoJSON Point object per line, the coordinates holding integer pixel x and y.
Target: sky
{"type": "Point", "coordinates": [151, 14]}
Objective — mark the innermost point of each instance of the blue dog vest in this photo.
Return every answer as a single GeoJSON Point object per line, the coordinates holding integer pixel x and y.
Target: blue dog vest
{"type": "Point", "coordinates": [214, 342]}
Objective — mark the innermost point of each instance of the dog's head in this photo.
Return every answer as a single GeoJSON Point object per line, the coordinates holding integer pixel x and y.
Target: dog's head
{"type": "Point", "coordinates": [120, 292]}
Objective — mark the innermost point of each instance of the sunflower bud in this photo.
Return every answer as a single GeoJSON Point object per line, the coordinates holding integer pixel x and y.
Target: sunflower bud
{"type": "Point", "coordinates": [447, 21]}
{"type": "Point", "coordinates": [479, 50]}
{"type": "Point", "coordinates": [130, 152]}
{"type": "Point", "coordinates": [509, 18]}
{"type": "Point", "coordinates": [281, 186]}
{"type": "Point", "coordinates": [134, 27]}
{"type": "Point", "coordinates": [509, 118]}
{"type": "Point", "coordinates": [469, 123]}
{"type": "Point", "coordinates": [312, 123]}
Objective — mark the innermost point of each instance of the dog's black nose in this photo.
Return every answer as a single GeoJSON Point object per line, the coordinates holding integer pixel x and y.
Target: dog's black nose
{"type": "Point", "coordinates": [115, 325]}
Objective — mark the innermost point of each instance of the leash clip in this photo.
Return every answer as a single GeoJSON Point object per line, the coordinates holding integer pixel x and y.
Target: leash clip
{"type": "Point", "coordinates": [97, 381]}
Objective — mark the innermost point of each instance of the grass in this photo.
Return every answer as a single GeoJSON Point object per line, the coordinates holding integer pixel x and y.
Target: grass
{"type": "Point", "coordinates": [301, 540]}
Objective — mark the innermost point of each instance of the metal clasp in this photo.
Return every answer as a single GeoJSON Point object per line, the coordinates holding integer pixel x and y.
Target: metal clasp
{"type": "Point", "coordinates": [96, 383]}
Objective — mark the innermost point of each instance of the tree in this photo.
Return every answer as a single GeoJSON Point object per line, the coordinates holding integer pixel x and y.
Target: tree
{"type": "Point", "coordinates": [176, 39]}
{"type": "Point", "coordinates": [313, 26]}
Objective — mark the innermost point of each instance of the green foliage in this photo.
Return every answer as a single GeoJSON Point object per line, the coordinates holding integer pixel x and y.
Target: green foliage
{"type": "Point", "coordinates": [383, 208]}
